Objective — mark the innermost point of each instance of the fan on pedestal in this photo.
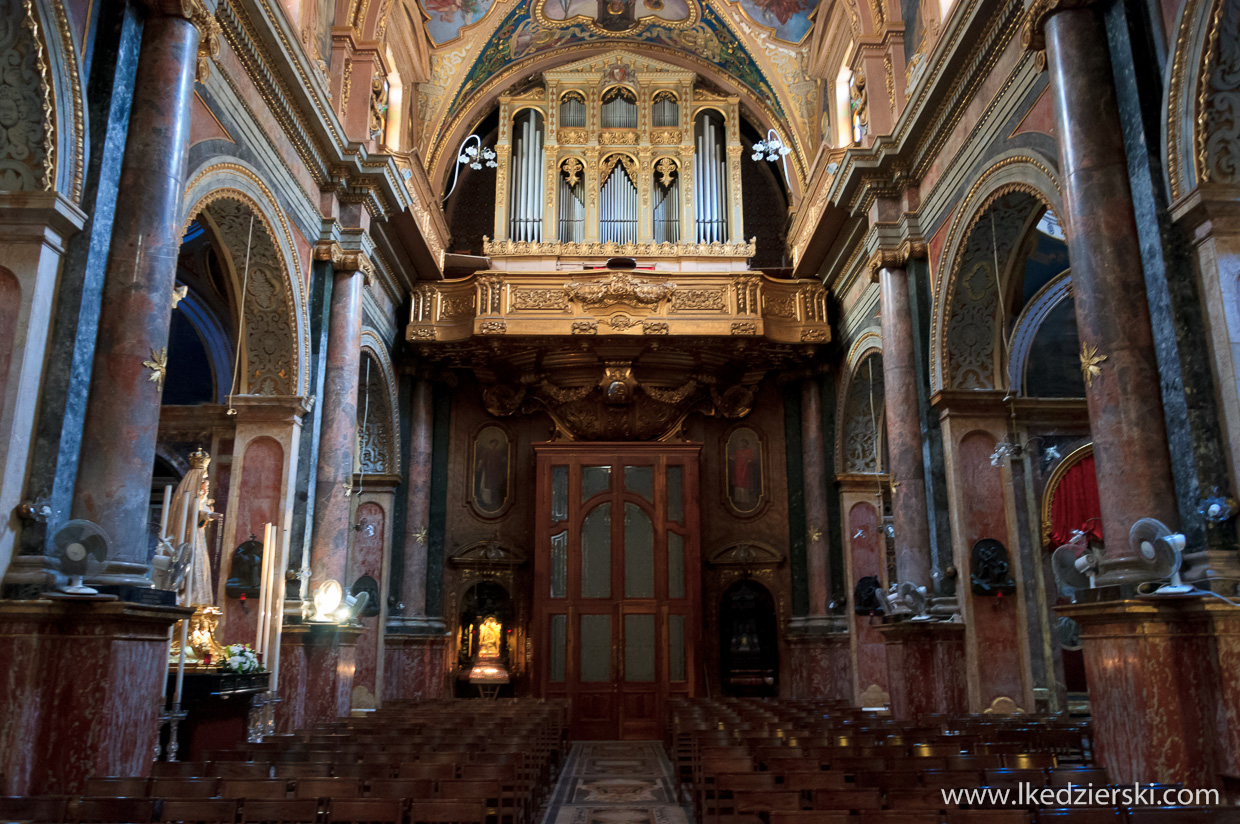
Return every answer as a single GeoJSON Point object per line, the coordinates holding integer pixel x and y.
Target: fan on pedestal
{"type": "Point", "coordinates": [82, 547]}
{"type": "Point", "coordinates": [1075, 565]}
{"type": "Point", "coordinates": [171, 565]}
{"type": "Point", "coordinates": [1162, 551]}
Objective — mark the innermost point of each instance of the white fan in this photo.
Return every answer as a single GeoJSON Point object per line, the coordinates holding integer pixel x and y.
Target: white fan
{"type": "Point", "coordinates": [352, 607]}
{"type": "Point", "coordinates": [905, 598]}
{"type": "Point", "coordinates": [170, 566]}
{"type": "Point", "coordinates": [1162, 551]}
{"type": "Point", "coordinates": [82, 547]}
{"type": "Point", "coordinates": [1075, 565]}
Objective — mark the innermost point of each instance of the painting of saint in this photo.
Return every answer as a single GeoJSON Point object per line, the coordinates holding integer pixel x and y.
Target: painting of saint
{"type": "Point", "coordinates": [745, 482]}
{"type": "Point", "coordinates": [448, 17]}
{"type": "Point", "coordinates": [491, 464]}
{"type": "Point", "coordinates": [789, 18]}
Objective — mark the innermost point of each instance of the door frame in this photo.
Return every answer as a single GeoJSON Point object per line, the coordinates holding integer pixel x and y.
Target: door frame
{"type": "Point", "coordinates": [616, 454]}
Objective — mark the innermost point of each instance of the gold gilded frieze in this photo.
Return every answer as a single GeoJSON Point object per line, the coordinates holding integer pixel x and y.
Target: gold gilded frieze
{"type": "Point", "coordinates": [517, 248]}
{"type": "Point", "coordinates": [620, 303]}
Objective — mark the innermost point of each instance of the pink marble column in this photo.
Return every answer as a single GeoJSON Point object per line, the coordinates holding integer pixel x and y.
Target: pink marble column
{"type": "Point", "coordinates": [815, 486]}
{"type": "Point", "coordinates": [80, 691]}
{"type": "Point", "coordinates": [1112, 315]}
{"type": "Point", "coordinates": [926, 664]}
{"type": "Point", "coordinates": [414, 667]}
{"type": "Point", "coordinates": [329, 544]}
{"type": "Point", "coordinates": [417, 507]}
{"type": "Point", "coordinates": [118, 441]}
{"type": "Point", "coordinates": [908, 500]}
{"type": "Point", "coordinates": [1164, 688]}
{"type": "Point", "coordinates": [317, 664]}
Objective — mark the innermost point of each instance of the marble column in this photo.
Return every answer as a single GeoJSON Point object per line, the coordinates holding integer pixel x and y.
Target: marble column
{"type": "Point", "coordinates": [1117, 347]}
{"type": "Point", "coordinates": [815, 486]}
{"type": "Point", "coordinates": [122, 418]}
{"type": "Point", "coordinates": [909, 513]}
{"type": "Point", "coordinates": [329, 543]}
{"type": "Point", "coordinates": [417, 511]}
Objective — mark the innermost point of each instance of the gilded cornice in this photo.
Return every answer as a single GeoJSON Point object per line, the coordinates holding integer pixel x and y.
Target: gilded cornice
{"type": "Point", "coordinates": [256, 31]}
{"type": "Point", "coordinates": [962, 60]}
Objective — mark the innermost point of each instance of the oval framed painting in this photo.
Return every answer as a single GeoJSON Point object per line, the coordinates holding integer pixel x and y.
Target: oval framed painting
{"type": "Point", "coordinates": [490, 484]}
{"type": "Point", "coordinates": [744, 471]}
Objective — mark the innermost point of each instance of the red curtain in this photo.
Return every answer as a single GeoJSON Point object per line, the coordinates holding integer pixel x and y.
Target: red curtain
{"type": "Point", "coordinates": [1075, 505]}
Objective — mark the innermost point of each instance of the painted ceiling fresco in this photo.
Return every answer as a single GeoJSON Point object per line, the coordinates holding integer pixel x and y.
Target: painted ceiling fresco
{"type": "Point", "coordinates": [757, 43]}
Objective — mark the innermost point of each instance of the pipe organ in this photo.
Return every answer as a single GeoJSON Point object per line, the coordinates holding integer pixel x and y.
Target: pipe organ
{"type": "Point", "coordinates": [618, 149]}
{"type": "Point", "coordinates": [526, 198]}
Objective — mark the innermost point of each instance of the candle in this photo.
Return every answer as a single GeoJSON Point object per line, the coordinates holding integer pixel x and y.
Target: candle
{"type": "Point", "coordinates": [163, 672]}
{"type": "Point", "coordinates": [264, 592]}
{"type": "Point", "coordinates": [176, 697]}
{"type": "Point", "coordinates": [165, 511]}
{"type": "Point", "coordinates": [277, 615]}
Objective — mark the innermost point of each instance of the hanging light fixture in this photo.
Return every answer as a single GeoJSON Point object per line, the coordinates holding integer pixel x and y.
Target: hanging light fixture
{"type": "Point", "coordinates": [472, 154]}
{"type": "Point", "coordinates": [772, 148]}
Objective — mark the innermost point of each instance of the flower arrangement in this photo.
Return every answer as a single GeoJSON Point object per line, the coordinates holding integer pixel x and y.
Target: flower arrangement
{"type": "Point", "coordinates": [240, 658]}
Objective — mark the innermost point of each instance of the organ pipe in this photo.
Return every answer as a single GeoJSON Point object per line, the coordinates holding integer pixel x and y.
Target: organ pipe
{"type": "Point", "coordinates": [710, 180]}
{"type": "Point", "coordinates": [527, 179]}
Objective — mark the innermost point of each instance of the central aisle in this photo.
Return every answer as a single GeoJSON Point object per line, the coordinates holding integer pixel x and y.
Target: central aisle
{"type": "Point", "coordinates": [615, 782]}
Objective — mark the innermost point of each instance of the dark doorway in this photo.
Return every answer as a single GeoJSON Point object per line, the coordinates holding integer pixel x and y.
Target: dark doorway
{"type": "Point", "coordinates": [748, 643]}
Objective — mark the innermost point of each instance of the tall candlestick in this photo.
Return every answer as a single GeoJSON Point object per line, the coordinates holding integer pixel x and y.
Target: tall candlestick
{"type": "Point", "coordinates": [176, 696]}
{"type": "Point", "coordinates": [277, 614]}
{"type": "Point", "coordinates": [165, 511]}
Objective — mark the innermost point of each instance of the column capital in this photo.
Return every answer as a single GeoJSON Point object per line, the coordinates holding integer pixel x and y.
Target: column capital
{"type": "Point", "coordinates": [1033, 35]}
{"type": "Point", "coordinates": [890, 258]}
{"type": "Point", "coordinates": [345, 260]}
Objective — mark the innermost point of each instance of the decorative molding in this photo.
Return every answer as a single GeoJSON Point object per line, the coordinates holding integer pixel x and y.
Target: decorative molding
{"type": "Point", "coordinates": [1218, 101]}
{"type": "Point", "coordinates": [28, 129]}
{"type": "Point", "coordinates": [525, 248]}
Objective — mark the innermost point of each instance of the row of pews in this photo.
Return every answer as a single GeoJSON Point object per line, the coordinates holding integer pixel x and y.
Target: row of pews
{"type": "Point", "coordinates": [769, 761]}
{"type": "Point", "coordinates": [439, 762]}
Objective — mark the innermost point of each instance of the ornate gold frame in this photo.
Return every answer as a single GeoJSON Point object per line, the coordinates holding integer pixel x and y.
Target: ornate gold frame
{"type": "Point", "coordinates": [474, 506]}
{"type": "Point", "coordinates": [1052, 485]}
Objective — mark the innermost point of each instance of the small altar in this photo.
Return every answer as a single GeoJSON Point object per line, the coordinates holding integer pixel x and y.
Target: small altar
{"type": "Point", "coordinates": [218, 708]}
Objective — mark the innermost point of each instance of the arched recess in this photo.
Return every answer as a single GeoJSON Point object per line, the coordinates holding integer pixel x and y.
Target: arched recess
{"type": "Point", "coordinates": [1203, 91]}
{"type": "Point", "coordinates": [861, 428]}
{"type": "Point", "coordinates": [472, 108]}
{"type": "Point", "coordinates": [996, 216]}
{"type": "Point", "coordinates": [58, 97]}
{"type": "Point", "coordinates": [276, 342]}
{"type": "Point", "coordinates": [1044, 345]}
{"type": "Point", "coordinates": [377, 448]}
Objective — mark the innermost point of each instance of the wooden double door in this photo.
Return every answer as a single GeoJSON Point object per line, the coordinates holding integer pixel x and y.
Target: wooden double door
{"type": "Point", "coordinates": [616, 577]}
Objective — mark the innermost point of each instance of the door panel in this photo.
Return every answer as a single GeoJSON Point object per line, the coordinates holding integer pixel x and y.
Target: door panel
{"type": "Point", "coordinates": [616, 582]}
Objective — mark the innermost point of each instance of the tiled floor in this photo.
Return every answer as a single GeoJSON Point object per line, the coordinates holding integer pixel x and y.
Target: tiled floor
{"type": "Point", "coordinates": [615, 782]}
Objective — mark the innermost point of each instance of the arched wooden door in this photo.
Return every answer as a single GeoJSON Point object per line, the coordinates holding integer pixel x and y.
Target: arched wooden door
{"type": "Point", "coordinates": [616, 583]}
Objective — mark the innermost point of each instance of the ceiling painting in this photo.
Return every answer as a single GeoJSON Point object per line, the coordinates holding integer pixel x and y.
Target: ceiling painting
{"type": "Point", "coordinates": [446, 18]}
{"type": "Point", "coordinates": [789, 18]}
{"type": "Point", "coordinates": [614, 17]}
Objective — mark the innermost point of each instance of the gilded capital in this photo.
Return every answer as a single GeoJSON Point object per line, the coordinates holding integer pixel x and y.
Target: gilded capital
{"type": "Point", "coordinates": [1033, 35]}
{"type": "Point", "coordinates": [889, 258]}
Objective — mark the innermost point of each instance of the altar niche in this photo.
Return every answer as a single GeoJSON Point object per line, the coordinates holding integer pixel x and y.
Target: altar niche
{"type": "Point", "coordinates": [484, 635]}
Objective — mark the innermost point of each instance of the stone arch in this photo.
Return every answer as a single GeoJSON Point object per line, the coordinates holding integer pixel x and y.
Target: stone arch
{"type": "Point", "coordinates": [277, 342]}
{"type": "Point", "coordinates": [464, 114]}
{"type": "Point", "coordinates": [378, 451]}
{"type": "Point", "coordinates": [1200, 132]}
{"type": "Point", "coordinates": [859, 443]}
{"type": "Point", "coordinates": [964, 335]}
{"type": "Point", "coordinates": [1053, 297]}
{"type": "Point", "coordinates": [44, 145]}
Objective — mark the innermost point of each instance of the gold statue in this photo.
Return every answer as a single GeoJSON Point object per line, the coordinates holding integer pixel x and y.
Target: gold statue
{"type": "Point", "coordinates": [187, 524]}
{"type": "Point", "coordinates": [489, 639]}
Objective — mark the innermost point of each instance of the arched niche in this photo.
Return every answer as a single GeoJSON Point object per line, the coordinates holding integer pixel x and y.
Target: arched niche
{"type": "Point", "coordinates": [861, 428]}
{"type": "Point", "coordinates": [983, 259]}
{"type": "Point", "coordinates": [256, 253]}
{"type": "Point", "coordinates": [377, 422]}
{"type": "Point", "coordinates": [748, 640]}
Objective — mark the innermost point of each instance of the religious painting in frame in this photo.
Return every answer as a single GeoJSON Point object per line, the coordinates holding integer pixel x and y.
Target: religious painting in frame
{"type": "Point", "coordinates": [744, 453]}
{"type": "Point", "coordinates": [490, 484]}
